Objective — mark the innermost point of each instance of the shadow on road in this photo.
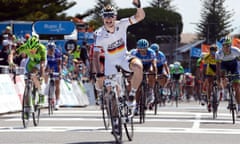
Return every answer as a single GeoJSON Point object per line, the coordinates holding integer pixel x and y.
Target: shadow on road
{"type": "Point", "coordinates": [107, 142]}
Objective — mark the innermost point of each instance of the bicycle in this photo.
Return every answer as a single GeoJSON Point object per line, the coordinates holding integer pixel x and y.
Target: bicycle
{"type": "Point", "coordinates": [176, 91]}
{"type": "Point", "coordinates": [51, 90]}
{"type": "Point", "coordinates": [159, 98]}
{"type": "Point", "coordinates": [143, 90]}
{"type": "Point", "coordinates": [117, 104]}
{"type": "Point", "coordinates": [215, 100]}
{"type": "Point", "coordinates": [231, 102]}
{"type": "Point", "coordinates": [30, 100]}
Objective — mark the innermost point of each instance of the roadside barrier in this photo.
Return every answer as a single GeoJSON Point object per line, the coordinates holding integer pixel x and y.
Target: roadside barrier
{"type": "Point", "coordinates": [72, 94]}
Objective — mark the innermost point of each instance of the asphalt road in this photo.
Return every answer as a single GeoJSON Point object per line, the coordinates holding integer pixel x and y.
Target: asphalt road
{"type": "Point", "coordinates": [190, 123]}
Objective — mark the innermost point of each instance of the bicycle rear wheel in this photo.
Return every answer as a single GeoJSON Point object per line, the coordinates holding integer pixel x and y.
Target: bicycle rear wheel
{"type": "Point", "coordinates": [51, 98]}
{"type": "Point", "coordinates": [115, 118]}
{"type": "Point", "coordinates": [26, 107]}
{"type": "Point", "coordinates": [37, 109]}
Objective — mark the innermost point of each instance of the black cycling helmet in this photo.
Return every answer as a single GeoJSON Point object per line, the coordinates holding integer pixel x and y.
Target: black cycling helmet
{"type": "Point", "coordinates": [108, 11]}
{"type": "Point", "coordinates": [213, 47]}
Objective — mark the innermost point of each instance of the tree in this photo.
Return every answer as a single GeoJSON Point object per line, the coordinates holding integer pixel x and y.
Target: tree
{"type": "Point", "coordinates": [165, 4]}
{"type": "Point", "coordinates": [215, 22]}
{"type": "Point", "coordinates": [158, 22]}
{"type": "Point", "coordinates": [34, 9]}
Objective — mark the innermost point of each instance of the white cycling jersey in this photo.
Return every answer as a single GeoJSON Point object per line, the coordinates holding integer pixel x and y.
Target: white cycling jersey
{"type": "Point", "coordinates": [235, 52]}
{"type": "Point", "coordinates": [114, 46]}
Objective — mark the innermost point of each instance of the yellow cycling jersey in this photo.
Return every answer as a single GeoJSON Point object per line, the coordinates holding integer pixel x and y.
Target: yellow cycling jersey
{"type": "Point", "coordinates": [210, 65]}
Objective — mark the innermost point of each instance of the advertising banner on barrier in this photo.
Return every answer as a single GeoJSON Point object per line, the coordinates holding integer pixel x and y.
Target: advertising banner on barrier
{"type": "Point", "coordinates": [9, 100]}
{"type": "Point", "coordinates": [72, 94]}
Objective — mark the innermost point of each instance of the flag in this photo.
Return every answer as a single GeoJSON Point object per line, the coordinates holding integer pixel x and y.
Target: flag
{"type": "Point", "coordinates": [219, 45]}
{"type": "Point", "coordinates": [236, 42]}
{"type": "Point", "coordinates": [195, 52]}
{"type": "Point", "coordinates": [205, 48]}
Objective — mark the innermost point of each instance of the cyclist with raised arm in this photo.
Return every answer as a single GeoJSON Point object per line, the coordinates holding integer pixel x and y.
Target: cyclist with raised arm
{"type": "Point", "coordinates": [112, 38]}
{"type": "Point", "coordinates": [36, 61]}
{"type": "Point", "coordinates": [210, 72]}
{"type": "Point", "coordinates": [148, 58]}
{"type": "Point", "coordinates": [54, 64]}
{"type": "Point", "coordinates": [227, 61]}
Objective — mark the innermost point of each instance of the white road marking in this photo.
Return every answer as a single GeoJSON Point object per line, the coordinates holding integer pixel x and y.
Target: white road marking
{"type": "Point", "coordinates": [196, 118]}
{"type": "Point", "coordinates": [197, 121]}
{"type": "Point", "coordinates": [136, 129]}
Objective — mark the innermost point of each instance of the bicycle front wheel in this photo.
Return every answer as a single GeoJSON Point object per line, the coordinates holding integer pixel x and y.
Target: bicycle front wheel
{"type": "Point", "coordinates": [177, 93]}
{"type": "Point", "coordinates": [26, 107]}
{"type": "Point", "coordinates": [214, 102]}
{"type": "Point", "coordinates": [157, 99]}
{"type": "Point", "coordinates": [231, 104]}
{"type": "Point", "coordinates": [105, 113]}
{"type": "Point", "coordinates": [51, 98]}
{"type": "Point", "coordinates": [142, 104]}
{"type": "Point", "coordinates": [128, 123]}
{"type": "Point", "coordinates": [116, 120]}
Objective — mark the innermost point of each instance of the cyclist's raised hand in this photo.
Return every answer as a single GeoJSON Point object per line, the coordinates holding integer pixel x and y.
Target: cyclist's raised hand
{"type": "Point", "coordinates": [137, 3]}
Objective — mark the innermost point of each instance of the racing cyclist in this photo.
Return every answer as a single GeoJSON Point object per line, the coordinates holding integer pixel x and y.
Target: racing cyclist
{"type": "Point", "coordinates": [148, 58]}
{"type": "Point", "coordinates": [177, 72]}
{"type": "Point", "coordinates": [36, 61]}
{"type": "Point", "coordinates": [112, 38]}
{"type": "Point", "coordinates": [162, 65]}
{"type": "Point", "coordinates": [210, 72]}
{"type": "Point", "coordinates": [227, 61]}
{"type": "Point", "coordinates": [54, 63]}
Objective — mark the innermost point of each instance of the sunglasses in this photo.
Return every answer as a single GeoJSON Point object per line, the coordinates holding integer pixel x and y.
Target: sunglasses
{"type": "Point", "coordinates": [226, 45]}
{"type": "Point", "coordinates": [108, 15]}
{"type": "Point", "coordinates": [142, 49]}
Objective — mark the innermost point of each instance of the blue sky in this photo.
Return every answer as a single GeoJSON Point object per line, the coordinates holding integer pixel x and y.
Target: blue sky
{"type": "Point", "coordinates": [189, 9]}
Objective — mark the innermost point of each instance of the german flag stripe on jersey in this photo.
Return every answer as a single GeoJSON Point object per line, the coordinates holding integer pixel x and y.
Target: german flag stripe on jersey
{"type": "Point", "coordinates": [116, 50]}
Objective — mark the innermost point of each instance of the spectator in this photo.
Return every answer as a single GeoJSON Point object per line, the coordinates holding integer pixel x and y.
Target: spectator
{"type": "Point", "coordinates": [4, 52]}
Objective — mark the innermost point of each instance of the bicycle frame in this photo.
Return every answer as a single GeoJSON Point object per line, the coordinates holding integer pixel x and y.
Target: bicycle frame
{"type": "Point", "coordinates": [117, 105]}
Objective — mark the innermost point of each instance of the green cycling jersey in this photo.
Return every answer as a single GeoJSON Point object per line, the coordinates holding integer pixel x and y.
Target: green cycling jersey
{"type": "Point", "coordinates": [178, 70]}
{"type": "Point", "coordinates": [35, 55]}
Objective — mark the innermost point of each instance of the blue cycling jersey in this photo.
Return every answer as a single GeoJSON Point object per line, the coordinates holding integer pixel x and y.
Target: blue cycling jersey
{"type": "Point", "coordinates": [52, 60]}
{"type": "Point", "coordinates": [161, 59]}
{"type": "Point", "coordinates": [147, 58]}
